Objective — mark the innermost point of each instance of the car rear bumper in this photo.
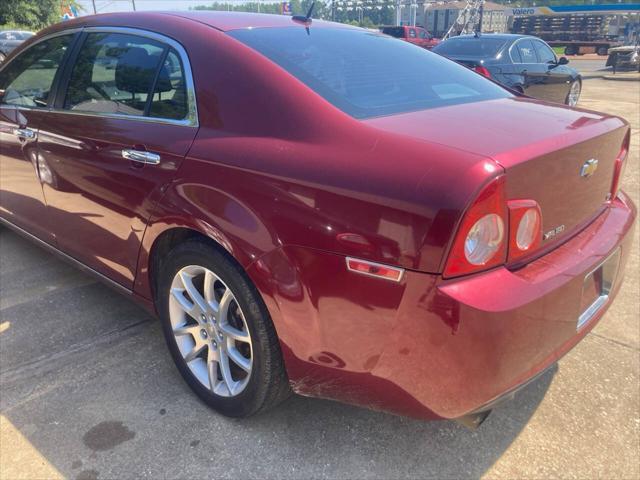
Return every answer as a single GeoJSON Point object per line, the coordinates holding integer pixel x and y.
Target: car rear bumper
{"type": "Point", "coordinates": [428, 347]}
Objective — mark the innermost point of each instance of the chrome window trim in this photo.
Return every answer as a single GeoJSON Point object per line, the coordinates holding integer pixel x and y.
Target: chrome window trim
{"type": "Point", "coordinates": [191, 120]}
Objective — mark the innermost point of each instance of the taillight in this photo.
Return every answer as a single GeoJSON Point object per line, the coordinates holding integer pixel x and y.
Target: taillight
{"type": "Point", "coordinates": [619, 166]}
{"type": "Point", "coordinates": [482, 71]}
{"type": "Point", "coordinates": [480, 242]}
{"type": "Point", "coordinates": [525, 227]}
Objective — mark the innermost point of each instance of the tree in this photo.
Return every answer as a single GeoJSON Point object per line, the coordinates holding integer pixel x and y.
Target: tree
{"type": "Point", "coordinates": [31, 14]}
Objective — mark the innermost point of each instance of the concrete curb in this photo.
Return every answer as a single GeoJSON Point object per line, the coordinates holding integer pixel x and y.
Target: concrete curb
{"type": "Point", "coordinates": [623, 77]}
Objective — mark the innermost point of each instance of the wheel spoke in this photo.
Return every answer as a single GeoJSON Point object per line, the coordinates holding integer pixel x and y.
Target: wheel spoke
{"type": "Point", "coordinates": [186, 330]}
{"type": "Point", "coordinates": [199, 303]}
{"type": "Point", "coordinates": [226, 372]}
{"type": "Point", "coordinates": [223, 306]}
{"type": "Point", "coordinates": [238, 359]}
{"type": "Point", "coordinates": [235, 334]}
{"type": "Point", "coordinates": [212, 369]}
{"type": "Point", "coordinates": [209, 291]}
{"type": "Point", "coordinates": [195, 351]}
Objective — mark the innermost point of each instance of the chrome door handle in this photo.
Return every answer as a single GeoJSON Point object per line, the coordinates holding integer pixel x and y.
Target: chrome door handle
{"type": "Point", "coordinates": [141, 156]}
{"type": "Point", "coordinates": [25, 133]}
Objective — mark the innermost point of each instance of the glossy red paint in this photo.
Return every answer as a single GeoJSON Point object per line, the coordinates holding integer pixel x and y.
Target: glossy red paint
{"type": "Point", "coordinates": [290, 186]}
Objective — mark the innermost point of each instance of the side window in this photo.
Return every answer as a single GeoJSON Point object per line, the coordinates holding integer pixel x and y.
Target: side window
{"type": "Point", "coordinates": [412, 33]}
{"type": "Point", "coordinates": [515, 54]}
{"type": "Point", "coordinates": [170, 93]}
{"type": "Point", "coordinates": [27, 80]}
{"type": "Point", "coordinates": [114, 73]}
{"type": "Point", "coordinates": [422, 34]}
{"type": "Point", "coordinates": [527, 53]}
{"type": "Point", "coordinates": [545, 54]}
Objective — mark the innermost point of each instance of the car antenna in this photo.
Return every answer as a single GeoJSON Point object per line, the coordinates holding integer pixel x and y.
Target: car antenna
{"type": "Point", "coordinates": [306, 19]}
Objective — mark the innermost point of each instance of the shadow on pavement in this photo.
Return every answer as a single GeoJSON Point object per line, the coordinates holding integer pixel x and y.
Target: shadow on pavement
{"type": "Point", "coordinates": [86, 379]}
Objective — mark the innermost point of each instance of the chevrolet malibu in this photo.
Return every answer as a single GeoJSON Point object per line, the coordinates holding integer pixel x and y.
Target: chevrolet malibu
{"type": "Point", "coordinates": [316, 208]}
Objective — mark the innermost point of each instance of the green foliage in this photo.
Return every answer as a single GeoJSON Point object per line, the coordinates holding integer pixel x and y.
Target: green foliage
{"type": "Point", "coordinates": [30, 14]}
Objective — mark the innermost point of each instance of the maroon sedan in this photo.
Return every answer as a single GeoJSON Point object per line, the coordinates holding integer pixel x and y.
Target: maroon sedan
{"type": "Point", "coordinates": [316, 208]}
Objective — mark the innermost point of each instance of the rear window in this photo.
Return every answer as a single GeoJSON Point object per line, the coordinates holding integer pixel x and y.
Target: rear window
{"type": "Point", "coordinates": [366, 74]}
{"type": "Point", "coordinates": [471, 47]}
{"type": "Point", "coordinates": [397, 32]}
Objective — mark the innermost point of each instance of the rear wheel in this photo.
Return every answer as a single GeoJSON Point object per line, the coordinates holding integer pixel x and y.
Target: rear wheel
{"type": "Point", "coordinates": [219, 332]}
{"type": "Point", "coordinates": [602, 51]}
{"type": "Point", "coordinates": [574, 93]}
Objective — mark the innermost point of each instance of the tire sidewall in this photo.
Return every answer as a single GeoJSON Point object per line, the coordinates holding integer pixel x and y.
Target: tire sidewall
{"type": "Point", "coordinates": [196, 253]}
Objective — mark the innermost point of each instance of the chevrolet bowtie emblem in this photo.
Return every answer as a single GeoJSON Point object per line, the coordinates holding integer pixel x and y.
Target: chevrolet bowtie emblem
{"type": "Point", "coordinates": [589, 168]}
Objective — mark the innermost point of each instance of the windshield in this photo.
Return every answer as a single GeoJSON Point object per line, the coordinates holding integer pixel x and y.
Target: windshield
{"type": "Point", "coordinates": [471, 47]}
{"type": "Point", "coordinates": [367, 74]}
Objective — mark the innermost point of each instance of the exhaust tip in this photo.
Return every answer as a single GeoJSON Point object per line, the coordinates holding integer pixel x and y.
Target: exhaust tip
{"type": "Point", "coordinates": [473, 420]}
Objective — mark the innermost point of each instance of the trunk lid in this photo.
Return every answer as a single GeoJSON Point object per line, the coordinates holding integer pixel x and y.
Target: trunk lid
{"type": "Point", "coordinates": [542, 147]}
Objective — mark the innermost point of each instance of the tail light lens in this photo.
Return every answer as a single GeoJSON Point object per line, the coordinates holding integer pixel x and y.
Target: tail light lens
{"type": "Point", "coordinates": [619, 167]}
{"type": "Point", "coordinates": [483, 71]}
{"type": "Point", "coordinates": [525, 221]}
{"type": "Point", "coordinates": [480, 242]}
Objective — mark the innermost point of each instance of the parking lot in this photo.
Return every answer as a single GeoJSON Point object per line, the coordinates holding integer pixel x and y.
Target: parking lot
{"type": "Point", "coordinates": [88, 390]}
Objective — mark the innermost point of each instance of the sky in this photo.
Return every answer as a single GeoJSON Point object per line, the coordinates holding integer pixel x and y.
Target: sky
{"type": "Point", "coordinates": [105, 6]}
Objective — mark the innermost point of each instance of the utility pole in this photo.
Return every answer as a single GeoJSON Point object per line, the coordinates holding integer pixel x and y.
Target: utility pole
{"type": "Point", "coordinates": [94, 7]}
{"type": "Point", "coordinates": [133, 2]}
{"type": "Point", "coordinates": [480, 14]}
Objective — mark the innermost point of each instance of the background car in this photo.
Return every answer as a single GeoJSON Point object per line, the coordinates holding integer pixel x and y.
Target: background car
{"type": "Point", "coordinates": [520, 62]}
{"type": "Point", "coordinates": [10, 39]}
{"type": "Point", "coordinates": [626, 56]}
{"type": "Point", "coordinates": [416, 35]}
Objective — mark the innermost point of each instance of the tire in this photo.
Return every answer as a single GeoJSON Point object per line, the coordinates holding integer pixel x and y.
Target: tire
{"type": "Point", "coordinates": [575, 85]}
{"type": "Point", "coordinates": [266, 383]}
{"type": "Point", "coordinates": [570, 50]}
{"type": "Point", "coordinates": [602, 51]}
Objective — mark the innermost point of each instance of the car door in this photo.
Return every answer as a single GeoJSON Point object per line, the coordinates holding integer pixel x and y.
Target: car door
{"type": "Point", "coordinates": [558, 76]}
{"type": "Point", "coordinates": [527, 67]}
{"type": "Point", "coordinates": [26, 83]}
{"type": "Point", "coordinates": [123, 120]}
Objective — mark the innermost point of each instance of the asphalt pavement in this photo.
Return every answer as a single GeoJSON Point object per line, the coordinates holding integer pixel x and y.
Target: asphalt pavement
{"type": "Point", "coordinates": [88, 390]}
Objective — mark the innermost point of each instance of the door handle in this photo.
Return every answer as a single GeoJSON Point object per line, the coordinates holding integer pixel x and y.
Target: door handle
{"type": "Point", "coordinates": [141, 156]}
{"type": "Point", "coordinates": [25, 133]}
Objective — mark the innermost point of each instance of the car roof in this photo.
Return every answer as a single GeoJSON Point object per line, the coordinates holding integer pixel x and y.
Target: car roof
{"type": "Point", "coordinates": [220, 20]}
{"type": "Point", "coordinates": [503, 36]}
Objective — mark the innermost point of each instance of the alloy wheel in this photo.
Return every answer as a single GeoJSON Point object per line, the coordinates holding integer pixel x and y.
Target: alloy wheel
{"type": "Point", "coordinates": [210, 330]}
{"type": "Point", "coordinates": [574, 94]}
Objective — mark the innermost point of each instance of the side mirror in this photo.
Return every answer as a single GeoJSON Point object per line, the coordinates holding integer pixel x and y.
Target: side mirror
{"type": "Point", "coordinates": [563, 61]}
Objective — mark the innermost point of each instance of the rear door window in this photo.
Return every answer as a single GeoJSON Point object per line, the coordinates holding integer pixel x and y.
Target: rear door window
{"type": "Point", "coordinates": [27, 80]}
{"type": "Point", "coordinates": [114, 73]}
{"type": "Point", "coordinates": [124, 74]}
{"type": "Point", "coordinates": [366, 74]}
{"type": "Point", "coordinates": [526, 51]}
{"type": "Point", "coordinates": [412, 33]}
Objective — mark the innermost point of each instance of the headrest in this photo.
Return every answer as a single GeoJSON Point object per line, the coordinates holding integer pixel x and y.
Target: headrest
{"type": "Point", "coordinates": [135, 71]}
{"type": "Point", "coordinates": [164, 80]}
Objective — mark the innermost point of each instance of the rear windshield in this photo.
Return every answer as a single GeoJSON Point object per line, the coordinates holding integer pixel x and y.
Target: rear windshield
{"type": "Point", "coordinates": [367, 74]}
{"type": "Point", "coordinates": [471, 47]}
{"type": "Point", "coordinates": [397, 32]}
